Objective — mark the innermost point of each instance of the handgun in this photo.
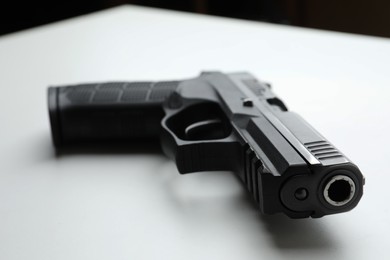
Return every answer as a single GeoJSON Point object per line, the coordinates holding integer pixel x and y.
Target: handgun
{"type": "Point", "coordinates": [215, 122]}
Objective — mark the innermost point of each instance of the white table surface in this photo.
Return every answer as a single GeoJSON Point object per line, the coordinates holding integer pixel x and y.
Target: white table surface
{"type": "Point", "coordinates": [137, 206]}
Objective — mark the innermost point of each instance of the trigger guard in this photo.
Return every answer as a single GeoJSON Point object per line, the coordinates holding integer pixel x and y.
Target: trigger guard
{"type": "Point", "coordinates": [199, 137]}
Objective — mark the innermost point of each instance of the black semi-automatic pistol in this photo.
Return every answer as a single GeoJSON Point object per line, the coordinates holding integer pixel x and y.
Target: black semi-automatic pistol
{"type": "Point", "coordinates": [216, 122]}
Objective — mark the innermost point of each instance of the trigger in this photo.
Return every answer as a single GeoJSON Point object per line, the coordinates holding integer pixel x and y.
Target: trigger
{"type": "Point", "coordinates": [205, 130]}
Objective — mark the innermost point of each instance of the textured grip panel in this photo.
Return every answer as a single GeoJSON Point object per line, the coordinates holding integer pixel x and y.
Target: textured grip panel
{"type": "Point", "coordinates": [108, 112]}
{"type": "Point", "coordinates": [136, 92]}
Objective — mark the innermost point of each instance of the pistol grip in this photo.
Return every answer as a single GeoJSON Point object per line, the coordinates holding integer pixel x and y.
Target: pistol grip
{"type": "Point", "coordinates": [108, 113]}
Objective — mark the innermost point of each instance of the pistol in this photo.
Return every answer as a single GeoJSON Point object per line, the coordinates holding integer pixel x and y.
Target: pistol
{"type": "Point", "coordinates": [215, 122]}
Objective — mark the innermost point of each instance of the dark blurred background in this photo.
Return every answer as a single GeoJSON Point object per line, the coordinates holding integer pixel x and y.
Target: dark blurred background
{"type": "Point", "coordinates": [354, 16]}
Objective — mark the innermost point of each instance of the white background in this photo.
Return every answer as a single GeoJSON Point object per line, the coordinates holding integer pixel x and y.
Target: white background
{"type": "Point", "coordinates": [137, 206]}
